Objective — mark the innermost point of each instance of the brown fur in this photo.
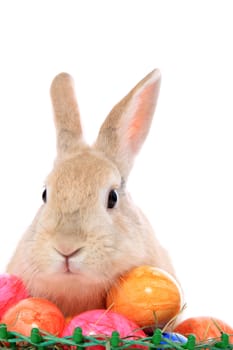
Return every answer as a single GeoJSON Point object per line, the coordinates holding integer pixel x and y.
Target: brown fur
{"type": "Point", "coordinates": [76, 247]}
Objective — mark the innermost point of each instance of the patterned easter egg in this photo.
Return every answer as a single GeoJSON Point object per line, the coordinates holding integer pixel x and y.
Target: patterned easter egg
{"type": "Point", "coordinates": [146, 295]}
{"type": "Point", "coordinates": [34, 313]}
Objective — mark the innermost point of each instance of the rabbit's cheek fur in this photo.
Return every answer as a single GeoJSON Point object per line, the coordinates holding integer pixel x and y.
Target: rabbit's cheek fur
{"type": "Point", "coordinates": [77, 248]}
{"type": "Point", "coordinates": [96, 252]}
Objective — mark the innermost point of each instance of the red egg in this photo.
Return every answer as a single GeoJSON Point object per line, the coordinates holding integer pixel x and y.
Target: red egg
{"type": "Point", "coordinates": [204, 328]}
{"type": "Point", "coordinates": [146, 295]}
{"type": "Point", "coordinates": [102, 323]}
{"type": "Point", "coordinates": [34, 313]}
{"type": "Point", "coordinates": [12, 290]}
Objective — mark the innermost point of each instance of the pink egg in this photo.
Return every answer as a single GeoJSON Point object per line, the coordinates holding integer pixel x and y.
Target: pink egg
{"type": "Point", "coordinates": [102, 323]}
{"type": "Point", "coordinates": [12, 290]}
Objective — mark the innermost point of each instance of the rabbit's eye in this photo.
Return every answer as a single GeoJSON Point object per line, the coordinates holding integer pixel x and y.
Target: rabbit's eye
{"type": "Point", "coordinates": [112, 199]}
{"type": "Point", "coordinates": [44, 195]}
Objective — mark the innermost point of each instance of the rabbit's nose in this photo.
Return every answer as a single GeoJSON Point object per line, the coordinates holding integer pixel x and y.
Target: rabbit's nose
{"type": "Point", "coordinates": [68, 252]}
{"type": "Point", "coordinates": [73, 252]}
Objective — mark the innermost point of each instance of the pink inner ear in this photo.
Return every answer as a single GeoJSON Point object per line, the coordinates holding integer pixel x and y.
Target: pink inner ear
{"type": "Point", "coordinates": [142, 116]}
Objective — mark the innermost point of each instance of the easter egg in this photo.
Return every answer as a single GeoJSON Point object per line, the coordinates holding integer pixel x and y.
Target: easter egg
{"type": "Point", "coordinates": [174, 337]}
{"type": "Point", "coordinates": [146, 295]}
{"type": "Point", "coordinates": [102, 323]}
{"type": "Point", "coordinates": [34, 313]}
{"type": "Point", "coordinates": [12, 290]}
{"type": "Point", "coordinates": [204, 328]}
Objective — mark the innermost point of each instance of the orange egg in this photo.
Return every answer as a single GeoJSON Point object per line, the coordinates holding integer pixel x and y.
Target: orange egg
{"type": "Point", "coordinates": [34, 313]}
{"type": "Point", "coordinates": [204, 328]}
{"type": "Point", "coordinates": [146, 295]}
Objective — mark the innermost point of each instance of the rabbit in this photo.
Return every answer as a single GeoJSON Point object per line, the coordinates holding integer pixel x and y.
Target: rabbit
{"type": "Point", "coordinates": [88, 232]}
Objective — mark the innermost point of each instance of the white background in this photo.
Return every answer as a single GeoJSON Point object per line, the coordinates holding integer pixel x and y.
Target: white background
{"type": "Point", "coordinates": [183, 176]}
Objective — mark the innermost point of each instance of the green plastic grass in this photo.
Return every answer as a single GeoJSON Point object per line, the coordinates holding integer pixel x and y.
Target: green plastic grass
{"type": "Point", "coordinates": [13, 340]}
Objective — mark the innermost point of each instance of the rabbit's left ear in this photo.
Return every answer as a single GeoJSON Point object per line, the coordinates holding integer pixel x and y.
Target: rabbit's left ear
{"type": "Point", "coordinates": [126, 127]}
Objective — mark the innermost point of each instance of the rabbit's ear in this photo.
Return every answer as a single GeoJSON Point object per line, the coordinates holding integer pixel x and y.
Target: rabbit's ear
{"type": "Point", "coordinates": [66, 114]}
{"type": "Point", "coordinates": [126, 127]}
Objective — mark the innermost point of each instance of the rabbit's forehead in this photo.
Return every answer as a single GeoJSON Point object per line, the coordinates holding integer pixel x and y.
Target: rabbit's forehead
{"type": "Point", "coordinates": [83, 170]}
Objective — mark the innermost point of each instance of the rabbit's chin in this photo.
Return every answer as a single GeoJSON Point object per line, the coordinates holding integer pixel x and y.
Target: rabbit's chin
{"type": "Point", "coordinates": [72, 293]}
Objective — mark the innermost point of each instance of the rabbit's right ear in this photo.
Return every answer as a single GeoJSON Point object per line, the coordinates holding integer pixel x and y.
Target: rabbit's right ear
{"type": "Point", "coordinates": [66, 114]}
{"type": "Point", "coordinates": [125, 129]}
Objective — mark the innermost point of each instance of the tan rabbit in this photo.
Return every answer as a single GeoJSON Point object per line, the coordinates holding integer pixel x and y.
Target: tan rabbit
{"type": "Point", "coordinates": [88, 231]}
